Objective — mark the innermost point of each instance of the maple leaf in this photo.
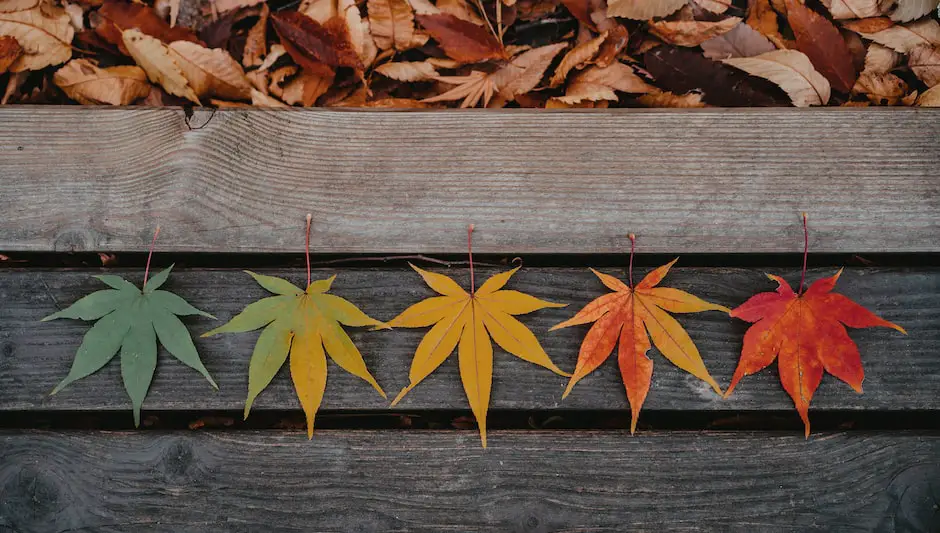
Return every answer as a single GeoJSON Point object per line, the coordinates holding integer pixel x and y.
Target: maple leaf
{"type": "Point", "coordinates": [467, 321]}
{"type": "Point", "coordinates": [630, 316]}
{"type": "Point", "coordinates": [807, 332]}
{"type": "Point", "coordinates": [131, 320]}
{"type": "Point", "coordinates": [307, 325]}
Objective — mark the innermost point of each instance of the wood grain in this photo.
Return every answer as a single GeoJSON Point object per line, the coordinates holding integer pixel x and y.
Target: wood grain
{"type": "Point", "coordinates": [903, 372]}
{"type": "Point", "coordinates": [707, 181]}
{"type": "Point", "coordinates": [442, 481]}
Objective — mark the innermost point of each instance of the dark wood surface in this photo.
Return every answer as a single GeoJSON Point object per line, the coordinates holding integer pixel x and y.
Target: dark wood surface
{"type": "Point", "coordinates": [528, 481]}
{"type": "Point", "coordinates": [710, 181]}
{"type": "Point", "coordinates": [902, 372]}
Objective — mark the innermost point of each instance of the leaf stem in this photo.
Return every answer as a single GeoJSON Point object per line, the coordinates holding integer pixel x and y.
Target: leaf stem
{"type": "Point", "coordinates": [632, 251]}
{"type": "Point", "coordinates": [470, 254]}
{"type": "Point", "coordinates": [307, 246]}
{"type": "Point", "coordinates": [805, 253]}
{"type": "Point", "coordinates": [150, 255]}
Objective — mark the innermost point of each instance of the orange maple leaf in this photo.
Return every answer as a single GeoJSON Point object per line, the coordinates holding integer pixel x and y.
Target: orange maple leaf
{"type": "Point", "coordinates": [807, 332]}
{"type": "Point", "coordinates": [628, 315]}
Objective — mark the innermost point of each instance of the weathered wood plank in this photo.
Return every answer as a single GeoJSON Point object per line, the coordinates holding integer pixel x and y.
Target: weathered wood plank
{"type": "Point", "coordinates": [701, 181]}
{"type": "Point", "coordinates": [442, 481]}
{"type": "Point", "coordinates": [903, 372]}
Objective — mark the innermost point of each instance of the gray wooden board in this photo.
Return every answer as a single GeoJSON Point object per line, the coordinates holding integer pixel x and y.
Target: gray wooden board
{"type": "Point", "coordinates": [709, 181]}
{"type": "Point", "coordinates": [239, 481]}
{"type": "Point", "coordinates": [903, 372]}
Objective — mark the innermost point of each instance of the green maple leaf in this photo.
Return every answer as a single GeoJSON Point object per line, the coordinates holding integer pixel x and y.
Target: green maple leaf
{"type": "Point", "coordinates": [131, 320]}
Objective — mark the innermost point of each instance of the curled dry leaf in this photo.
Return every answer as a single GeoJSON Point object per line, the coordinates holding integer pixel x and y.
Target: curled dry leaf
{"type": "Point", "coordinates": [908, 10]}
{"type": "Point", "coordinates": [924, 60]}
{"type": "Point", "coordinates": [312, 45]}
{"type": "Point", "coordinates": [461, 40]}
{"type": "Point", "coordinates": [10, 50]}
{"type": "Point", "coordinates": [525, 71]}
{"type": "Point", "coordinates": [669, 99]}
{"type": "Point", "coordinates": [792, 71]}
{"type": "Point", "coordinates": [392, 23]}
{"type": "Point", "coordinates": [45, 34]}
{"type": "Point", "coordinates": [741, 41]}
{"type": "Point", "coordinates": [903, 37]}
{"type": "Point", "coordinates": [691, 32]}
{"type": "Point", "coordinates": [117, 17]}
{"type": "Point", "coordinates": [856, 9]}
{"type": "Point", "coordinates": [715, 6]}
{"type": "Point", "coordinates": [930, 97]}
{"type": "Point", "coordinates": [306, 88]}
{"type": "Point", "coordinates": [682, 70]}
{"type": "Point", "coordinates": [880, 59]}
{"type": "Point", "coordinates": [881, 89]}
{"type": "Point", "coordinates": [597, 83]}
{"type": "Point", "coordinates": [762, 17]}
{"type": "Point", "coordinates": [211, 72]}
{"type": "Point", "coordinates": [577, 57]}
{"type": "Point", "coordinates": [86, 83]}
{"type": "Point", "coordinates": [823, 45]}
{"type": "Point", "coordinates": [154, 57]}
{"type": "Point", "coordinates": [617, 39]}
{"type": "Point", "coordinates": [408, 71]}
{"type": "Point", "coordinates": [256, 46]}
{"type": "Point", "coordinates": [643, 9]}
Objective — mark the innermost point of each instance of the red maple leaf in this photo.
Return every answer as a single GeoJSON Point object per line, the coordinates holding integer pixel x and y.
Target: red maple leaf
{"type": "Point", "coordinates": [806, 333]}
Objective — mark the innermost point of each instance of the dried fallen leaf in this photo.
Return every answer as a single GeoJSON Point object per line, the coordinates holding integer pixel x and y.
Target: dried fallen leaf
{"type": "Point", "coordinates": [461, 40]}
{"type": "Point", "coordinates": [930, 97]}
{"type": "Point", "coordinates": [668, 99]}
{"type": "Point", "coordinates": [762, 17]}
{"type": "Point", "coordinates": [881, 89]}
{"type": "Point", "coordinates": [460, 9]}
{"type": "Point", "coordinates": [857, 9]}
{"type": "Point", "coordinates": [904, 37]}
{"type": "Point", "coordinates": [154, 57]}
{"type": "Point", "coordinates": [256, 42]}
{"type": "Point", "coordinates": [43, 32]}
{"type": "Point", "coordinates": [597, 83]}
{"type": "Point", "coordinates": [628, 318]}
{"type": "Point", "coordinates": [617, 39]}
{"type": "Point", "coordinates": [467, 321]}
{"type": "Point", "coordinates": [880, 59]}
{"type": "Point", "coordinates": [577, 57]}
{"type": "Point", "coordinates": [86, 83]}
{"type": "Point", "coordinates": [823, 45]}
{"type": "Point", "coordinates": [260, 99]}
{"type": "Point", "coordinates": [924, 60]}
{"type": "Point", "coordinates": [392, 23]}
{"type": "Point", "coordinates": [691, 32]}
{"type": "Point", "coordinates": [312, 45]}
{"type": "Point", "coordinates": [10, 50]}
{"type": "Point", "coordinates": [643, 9]}
{"type": "Point", "coordinates": [130, 320]}
{"type": "Point", "coordinates": [908, 10]}
{"type": "Point", "coordinates": [120, 16]}
{"type": "Point", "coordinates": [525, 71]}
{"type": "Point", "coordinates": [792, 71]}
{"type": "Point", "coordinates": [741, 41]}
{"type": "Point", "coordinates": [211, 72]}
{"type": "Point", "coordinates": [807, 331]}
{"type": "Point", "coordinates": [307, 325]}
{"type": "Point", "coordinates": [408, 71]}
{"type": "Point", "coordinates": [7, 6]}
{"type": "Point", "coordinates": [715, 6]}
{"type": "Point", "coordinates": [472, 89]}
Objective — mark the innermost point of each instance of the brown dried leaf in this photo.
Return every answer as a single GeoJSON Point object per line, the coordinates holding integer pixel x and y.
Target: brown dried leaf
{"type": "Point", "coordinates": [525, 71]}
{"type": "Point", "coordinates": [577, 57]}
{"type": "Point", "coordinates": [597, 83]}
{"type": "Point", "coordinates": [86, 83]}
{"type": "Point", "coordinates": [460, 9]}
{"type": "Point", "coordinates": [580, 9]}
{"type": "Point", "coordinates": [256, 46]}
{"type": "Point", "coordinates": [76, 15]}
{"type": "Point", "coordinates": [823, 45]}
{"type": "Point", "coordinates": [869, 25]}
{"type": "Point", "coordinates": [930, 98]}
{"type": "Point", "coordinates": [312, 45]}
{"type": "Point", "coordinates": [154, 57]}
{"type": "Point", "coordinates": [211, 72]}
{"type": "Point", "coordinates": [260, 99]}
{"type": "Point", "coordinates": [643, 9]}
{"type": "Point", "coordinates": [762, 17]}
{"type": "Point", "coordinates": [924, 60]}
{"type": "Point", "coordinates": [881, 89]}
{"type": "Point", "coordinates": [856, 9]}
{"type": "Point", "coordinates": [422, 7]}
{"type": "Point", "coordinates": [741, 41]}
{"type": "Point", "coordinates": [305, 88]}
{"type": "Point", "coordinates": [715, 6]}
{"type": "Point", "coordinates": [392, 23]}
{"type": "Point", "coordinates": [45, 34]}
{"type": "Point", "coordinates": [617, 39]}
{"type": "Point", "coordinates": [408, 71]}
{"type": "Point", "coordinates": [216, 7]}
{"type": "Point", "coordinates": [7, 6]}
{"type": "Point", "coordinates": [472, 89]}
{"type": "Point", "coordinates": [396, 103]}
{"type": "Point", "coordinates": [904, 37]}
{"type": "Point", "coordinates": [10, 50]}
{"type": "Point", "coordinates": [691, 32]}
{"type": "Point", "coordinates": [668, 99]}
{"type": "Point", "coordinates": [461, 40]}
{"type": "Point", "coordinates": [792, 71]}
{"type": "Point", "coordinates": [908, 10]}
{"type": "Point", "coordinates": [120, 16]}
{"type": "Point", "coordinates": [881, 59]}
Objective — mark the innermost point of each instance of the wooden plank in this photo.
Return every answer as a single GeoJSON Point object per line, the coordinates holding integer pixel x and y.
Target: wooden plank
{"type": "Point", "coordinates": [442, 481]}
{"type": "Point", "coordinates": [903, 372]}
{"type": "Point", "coordinates": [533, 182]}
